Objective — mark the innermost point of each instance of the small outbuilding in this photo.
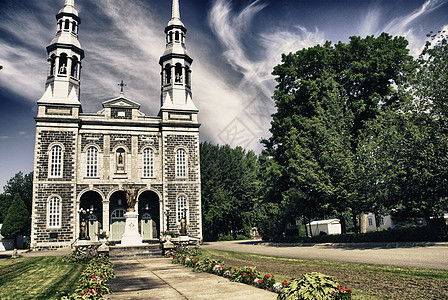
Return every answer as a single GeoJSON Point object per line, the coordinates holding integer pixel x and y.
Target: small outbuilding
{"type": "Point", "coordinates": [332, 226]}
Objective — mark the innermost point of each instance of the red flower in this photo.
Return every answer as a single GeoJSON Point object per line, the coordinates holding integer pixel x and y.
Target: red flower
{"type": "Point", "coordinates": [239, 266]}
{"type": "Point", "coordinates": [349, 290]}
{"type": "Point", "coordinates": [260, 281]}
{"type": "Point", "coordinates": [267, 276]}
{"type": "Point", "coordinates": [244, 274]}
{"type": "Point", "coordinates": [251, 274]}
{"type": "Point", "coordinates": [250, 269]}
{"type": "Point", "coordinates": [285, 283]}
{"type": "Point", "coordinates": [248, 278]}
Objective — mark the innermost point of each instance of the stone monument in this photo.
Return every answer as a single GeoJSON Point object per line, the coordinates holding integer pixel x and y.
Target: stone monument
{"type": "Point", "coordinates": [131, 236]}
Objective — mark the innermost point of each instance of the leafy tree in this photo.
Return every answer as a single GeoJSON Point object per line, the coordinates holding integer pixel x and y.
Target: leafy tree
{"type": "Point", "coordinates": [407, 146]}
{"type": "Point", "coordinates": [16, 220]}
{"type": "Point", "coordinates": [324, 97]}
{"type": "Point", "coordinates": [229, 190]}
{"type": "Point", "coordinates": [18, 184]}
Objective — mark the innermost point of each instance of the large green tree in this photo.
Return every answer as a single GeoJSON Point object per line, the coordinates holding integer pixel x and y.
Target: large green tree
{"type": "Point", "coordinates": [19, 184]}
{"type": "Point", "coordinates": [16, 220]}
{"type": "Point", "coordinates": [229, 190]}
{"type": "Point", "coordinates": [407, 146]}
{"type": "Point", "coordinates": [324, 97]}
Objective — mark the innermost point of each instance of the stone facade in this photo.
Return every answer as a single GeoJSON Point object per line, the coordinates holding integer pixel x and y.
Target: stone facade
{"type": "Point", "coordinates": [83, 161]}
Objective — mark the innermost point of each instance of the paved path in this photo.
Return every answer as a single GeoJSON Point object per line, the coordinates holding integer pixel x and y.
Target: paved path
{"type": "Point", "coordinates": [422, 255]}
{"type": "Point", "coordinates": [157, 278]}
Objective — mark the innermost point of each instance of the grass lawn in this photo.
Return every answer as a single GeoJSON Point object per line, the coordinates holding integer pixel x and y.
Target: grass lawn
{"type": "Point", "coordinates": [367, 281]}
{"type": "Point", "coordinates": [37, 278]}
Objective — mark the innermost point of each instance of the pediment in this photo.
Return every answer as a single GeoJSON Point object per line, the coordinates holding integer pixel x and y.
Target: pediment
{"type": "Point", "coordinates": [121, 102]}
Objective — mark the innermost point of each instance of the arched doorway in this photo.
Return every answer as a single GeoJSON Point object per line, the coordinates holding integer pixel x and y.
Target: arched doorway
{"type": "Point", "coordinates": [117, 208]}
{"type": "Point", "coordinates": [90, 215]}
{"type": "Point", "coordinates": [149, 215]}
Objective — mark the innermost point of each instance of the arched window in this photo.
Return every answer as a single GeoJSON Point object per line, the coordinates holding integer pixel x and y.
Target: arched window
{"type": "Point", "coordinates": [54, 212]}
{"type": "Point", "coordinates": [67, 24]}
{"type": "Point", "coordinates": [92, 162]}
{"type": "Point", "coordinates": [63, 64]}
{"type": "Point", "coordinates": [178, 73]}
{"type": "Point", "coordinates": [52, 64]}
{"type": "Point", "coordinates": [148, 162]}
{"type": "Point", "coordinates": [74, 70]}
{"type": "Point", "coordinates": [74, 27]}
{"type": "Point", "coordinates": [55, 161]}
{"type": "Point", "coordinates": [171, 37]}
{"type": "Point", "coordinates": [168, 74]}
{"type": "Point", "coordinates": [181, 163]}
{"type": "Point", "coordinates": [60, 25]}
{"type": "Point", "coordinates": [181, 207]}
{"type": "Point", "coordinates": [176, 36]}
{"type": "Point", "coordinates": [187, 76]}
{"type": "Point", "coordinates": [118, 213]}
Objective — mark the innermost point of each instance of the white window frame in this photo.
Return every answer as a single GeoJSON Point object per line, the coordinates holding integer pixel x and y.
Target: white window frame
{"type": "Point", "coordinates": [148, 162]}
{"type": "Point", "coordinates": [181, 203]}
{"type": "Point", "coordinates": [54, 212]}
{"type": "Point", "coordinates": [56, 161]}
{"type": "Point", "coordinates": [92, 162]}
{"type": "Point", "coordinates": [181, 163]}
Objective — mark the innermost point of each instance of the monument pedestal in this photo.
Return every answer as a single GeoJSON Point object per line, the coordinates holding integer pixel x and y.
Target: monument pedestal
{"type": "Point", "coordinates": [131, 237]}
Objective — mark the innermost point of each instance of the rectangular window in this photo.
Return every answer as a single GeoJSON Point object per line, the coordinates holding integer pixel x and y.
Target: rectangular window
{"type": "Point", "coordinates": [92, 162]}
{"type": "Point", "coordinates": [148, 163]}
{"type": "Point", "coordinates": [370, 222]}
{"type": "Point", "coordinates": [181, 207]}
{"type": "Point", "coordinates": [181, 163]}
{"type": "Point", "coordinates": [56, 161]}
{"type": "Point", "coordinates": [54, 212]}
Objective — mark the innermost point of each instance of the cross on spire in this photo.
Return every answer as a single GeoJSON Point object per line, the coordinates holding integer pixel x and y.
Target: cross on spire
{"type": "Point", "coordinates": [122, 85]}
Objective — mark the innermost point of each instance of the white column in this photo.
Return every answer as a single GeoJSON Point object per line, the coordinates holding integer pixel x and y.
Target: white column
{"type": "Point", "coordinates": [106, 216]}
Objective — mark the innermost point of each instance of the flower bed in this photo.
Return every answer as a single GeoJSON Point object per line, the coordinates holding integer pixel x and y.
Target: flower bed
{"type": "Point", "coordinates": [306, 286]}
{"type": "Point", "coordinates": [93, 281]}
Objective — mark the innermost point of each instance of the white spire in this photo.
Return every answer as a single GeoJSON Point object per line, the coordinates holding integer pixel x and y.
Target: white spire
{"type": "Point", "coordinates": [176, 11]}
{"type": "Point", "coordinates": [175, 15]}
{"type": "Point", "coordinates": [69, 8]}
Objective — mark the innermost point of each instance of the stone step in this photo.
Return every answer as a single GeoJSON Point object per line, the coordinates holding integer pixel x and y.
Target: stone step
{"type": "Point", "coordinates": [134, 252]}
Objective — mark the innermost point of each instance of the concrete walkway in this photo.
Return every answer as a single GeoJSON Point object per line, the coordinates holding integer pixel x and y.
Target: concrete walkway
{"type": "Point", "coordinates": [157, 278]}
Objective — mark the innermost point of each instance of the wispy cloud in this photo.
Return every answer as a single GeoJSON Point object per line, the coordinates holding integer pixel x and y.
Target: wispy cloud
{"type": "Point", "coordinates": [405, 25]}
{"type": "Point", "coordinates": [231, 28]}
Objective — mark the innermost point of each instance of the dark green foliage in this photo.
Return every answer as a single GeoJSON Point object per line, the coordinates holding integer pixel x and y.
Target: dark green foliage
{"type": "Point", "coordinates": [229, 189]}
{"type": "Point", "coordinates": [322, 158]}
{"type": "Point", "coordinates": [415, 234]}
{"type": "Point", "coordinates": [16, 220]}
{"type": "Point", "coordinates": [22, 185]}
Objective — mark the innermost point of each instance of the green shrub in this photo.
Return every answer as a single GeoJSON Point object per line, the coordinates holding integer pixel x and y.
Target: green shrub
{"type": "Point", "coordinates": [241, 237]}
{"type": "Point", "coordinates": [313, 285]}
{"type": "Point", "coordinates": [223, 238]}
{"type": "Point", "coordinates": [93, 280]}
{"type": "Point", "coordinates": [245, 275]}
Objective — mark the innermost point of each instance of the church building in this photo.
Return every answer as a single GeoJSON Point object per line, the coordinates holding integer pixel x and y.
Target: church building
{"type": "Point", "coordinates": [83, 161]}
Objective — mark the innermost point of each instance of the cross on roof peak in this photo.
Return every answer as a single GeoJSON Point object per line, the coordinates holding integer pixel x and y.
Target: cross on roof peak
{"type": "Point", "coordinates": [122, 85]}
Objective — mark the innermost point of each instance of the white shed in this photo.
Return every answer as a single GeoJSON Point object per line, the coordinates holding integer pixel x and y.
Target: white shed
{"type": "Point", "coordinates": [332, 226]}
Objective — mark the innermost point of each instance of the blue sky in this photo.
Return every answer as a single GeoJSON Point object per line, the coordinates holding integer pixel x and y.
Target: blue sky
{"type": "Point", "coordinates": [234, 44]}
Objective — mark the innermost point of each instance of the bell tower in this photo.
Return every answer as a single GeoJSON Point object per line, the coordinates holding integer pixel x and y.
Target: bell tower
{"type": "Point", "coordinates": [62, 86]}
{"type": "Point", "coordinates": [176, 69]}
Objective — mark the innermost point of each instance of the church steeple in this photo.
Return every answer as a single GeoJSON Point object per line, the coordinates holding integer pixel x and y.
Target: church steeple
{"type": "Point", "coordinates": [176, 66]}
{"type": "Point", "coordinates": [64, 60]}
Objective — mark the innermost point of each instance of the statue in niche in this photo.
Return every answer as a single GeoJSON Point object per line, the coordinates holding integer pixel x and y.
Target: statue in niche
{"type": "Point", "coordinates": [183, 226]}
{"type": "Point", "coordinates": [131, 197]}
{"type": "Point", "coordinates": [63, 69]}
{"type": "Point", "coordinates": [120, 159]}
{"type": "Point", "coordinates": [83, 229]}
